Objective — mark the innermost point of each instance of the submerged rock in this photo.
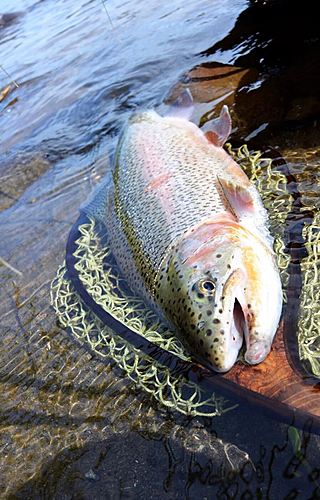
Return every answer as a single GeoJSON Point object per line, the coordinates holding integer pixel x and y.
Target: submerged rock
{"type": "Point", "coordinates": [17, 173]}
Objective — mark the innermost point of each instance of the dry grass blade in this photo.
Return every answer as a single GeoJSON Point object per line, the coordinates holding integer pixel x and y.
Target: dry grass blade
{"type": "Point", "coordinates": [105, 8]}
{"type": "Point", "coordinates": [4, 92]}
{"type": "Point", "coordinates": [1, 67]}
{"type": "Point", "coordinates": [9, 266]}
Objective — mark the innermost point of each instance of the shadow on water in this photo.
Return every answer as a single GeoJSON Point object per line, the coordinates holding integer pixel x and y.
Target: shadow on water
{"type": "Point", "coordinates": [72, 427]}
{"type": "Point", "coordinates": [188, 463]}
{"type": "Point", "coordinates": [122, 467]}
{"type": "Point", "coordinates": [279, 39]}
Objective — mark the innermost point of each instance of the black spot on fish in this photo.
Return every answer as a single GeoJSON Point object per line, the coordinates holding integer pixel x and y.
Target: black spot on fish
{"type": "Point", "coordinates": [228, 266]}
{"type": "Point", "coordinates": [249, 306]}
{"type": "Point", "coordinates": [209, 312]}
{"type": "Point", "coordinates": [216, 321]}
{"type": "Point", "coordinates": [222, 332]}
{"type": "Point", "coordinates": [218, 255]}
{"type": "Point", "coordinates": [201, 342]}
{"type": "Point", "coordinates": [209, 332]}
{"type": "Point", "coordinates": [220, 311]}
{"type": "Point", "coordinates": [200, 295]}
{"type": "Point", "coordinates": [216, 339]}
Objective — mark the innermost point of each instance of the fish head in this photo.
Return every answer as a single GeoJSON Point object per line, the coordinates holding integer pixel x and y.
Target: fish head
{"type": "Point", "coordinates": [205, 308]}
{"type": "Point", "coordinates": [215, 296]}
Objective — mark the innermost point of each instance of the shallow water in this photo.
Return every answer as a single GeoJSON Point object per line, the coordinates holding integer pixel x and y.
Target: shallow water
{"type": "Point", "coordinates": [70, 425]}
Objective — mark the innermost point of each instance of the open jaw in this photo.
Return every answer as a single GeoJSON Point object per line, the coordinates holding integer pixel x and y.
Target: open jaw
{"type": "Point", "coordinates": [257, 350]}
{"type": "Point", "coordinates": [237, 334]}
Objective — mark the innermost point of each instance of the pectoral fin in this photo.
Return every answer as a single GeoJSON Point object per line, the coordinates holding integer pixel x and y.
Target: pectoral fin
{"type": "Point", "coordinates": [239, 198]}
{"type": "Point", "coordinates": [218, 130]}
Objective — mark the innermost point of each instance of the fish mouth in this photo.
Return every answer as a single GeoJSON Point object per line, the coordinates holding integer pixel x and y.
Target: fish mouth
{"type": "Point", "coordinates": [255, 351]}
{"type": "Point", "coordinates": [237, 333]}
{"type": "Point", "coordinates": [238, 315]}
{"type": "Point", "coordinates": [234, 338]}
{"type": "Point", "coordinates": [239, 322]}
{"type": "Point", "coordinates": [235, 318]}
{"type": "Point", "coordinates": [231, 337]}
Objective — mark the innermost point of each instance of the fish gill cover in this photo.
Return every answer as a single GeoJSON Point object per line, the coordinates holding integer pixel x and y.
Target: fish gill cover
{"type": "Point", "coordinates": [99, 276]}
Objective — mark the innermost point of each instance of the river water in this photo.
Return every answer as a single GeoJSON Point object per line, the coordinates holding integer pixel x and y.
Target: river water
{"type": "Point", "coordinates": [72, 427]}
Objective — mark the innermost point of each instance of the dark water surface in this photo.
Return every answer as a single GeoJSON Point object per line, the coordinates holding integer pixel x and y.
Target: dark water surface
{"type": "Point", "coordinates": [72, 427]}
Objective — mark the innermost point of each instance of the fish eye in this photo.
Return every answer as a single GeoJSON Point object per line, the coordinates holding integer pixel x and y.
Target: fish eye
{"type": "Point", "coordinates": [208, 285]}
{"type": "Point", "coordinates": [205, 287]}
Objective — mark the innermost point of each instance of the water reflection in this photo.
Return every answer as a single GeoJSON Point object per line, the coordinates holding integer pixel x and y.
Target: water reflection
{"type": "Point", "coordinates": [72, 427]}
{"type": "Point", "coordinates": [281, 41]}
{"type": "Point", "coordinates": [176, 466]}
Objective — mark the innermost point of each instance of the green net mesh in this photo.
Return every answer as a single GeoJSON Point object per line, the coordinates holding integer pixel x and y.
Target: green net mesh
{"type": "Point", "coordinates": [102, 280]}
{"type": "Point", "coordinates": [272, 186]}
{"type": "Point", "coordinates": [109, 290]}
{"type": "Point", "coordinates": [309, 317]}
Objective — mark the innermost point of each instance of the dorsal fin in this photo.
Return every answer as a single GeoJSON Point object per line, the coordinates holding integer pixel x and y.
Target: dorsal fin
{"type": "Point", "coordinates": [182, 107]}
{"type": "Point", "coordinates": [218, 130]}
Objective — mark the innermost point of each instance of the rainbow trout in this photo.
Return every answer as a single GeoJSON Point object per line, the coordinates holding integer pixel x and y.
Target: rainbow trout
{"type": "Point", "coordinates": [189, 232]}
